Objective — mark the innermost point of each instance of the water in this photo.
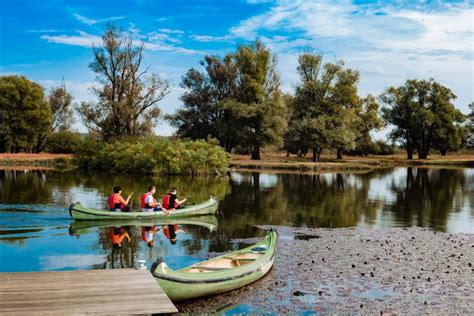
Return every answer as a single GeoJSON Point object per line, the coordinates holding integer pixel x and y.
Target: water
{"type": "Point", "coordinates": [36, 233]}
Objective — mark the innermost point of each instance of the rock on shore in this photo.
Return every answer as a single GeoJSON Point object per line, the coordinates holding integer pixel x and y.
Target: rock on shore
{"type": "Point", "coordinates": [360, 271]}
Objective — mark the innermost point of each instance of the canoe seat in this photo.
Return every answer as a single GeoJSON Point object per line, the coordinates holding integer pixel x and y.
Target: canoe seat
{"type": "Point", "coordinates": [241, 259]}
{"type": "Point", "coordinates": [210, 268]}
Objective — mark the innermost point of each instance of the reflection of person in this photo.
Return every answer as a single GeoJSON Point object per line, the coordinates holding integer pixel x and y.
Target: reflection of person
{"type": "Point", "coordinates": [148, 235]}
{"type": "Point", "coordinates": [117, 235]}
{"type": "Point", "coordinates": [170, 232]}
{"type": "Point", "coordinates": [116, 201]}
{"type": "Point", "coordinates": [149, 203]}
{"type": "Point", "coordinates": [170, 201]}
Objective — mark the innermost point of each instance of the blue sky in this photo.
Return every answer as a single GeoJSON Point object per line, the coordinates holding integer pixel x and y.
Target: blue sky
{"type": "Point", "coordinates": [387, 41]}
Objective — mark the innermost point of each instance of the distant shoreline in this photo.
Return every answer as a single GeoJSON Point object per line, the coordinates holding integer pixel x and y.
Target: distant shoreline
{"type": "Point", "coordinates": [279, 162]}
{"type": "Point", "coordinates": [270, 162]}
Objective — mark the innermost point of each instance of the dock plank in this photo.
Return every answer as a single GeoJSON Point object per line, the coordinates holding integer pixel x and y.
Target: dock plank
{"type": "Point", "coordinates": [119, 291]}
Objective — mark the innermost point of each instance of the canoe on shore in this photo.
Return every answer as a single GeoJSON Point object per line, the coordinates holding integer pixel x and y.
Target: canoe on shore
{"type": "Point", "coordinates": [80, 212]}
{"type": "Point", "coordinates": [83, 227]}
{"type": "Point", "coordinates": [220, 274]}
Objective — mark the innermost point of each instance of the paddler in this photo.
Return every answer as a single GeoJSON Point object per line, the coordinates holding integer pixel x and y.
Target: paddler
{"type": "Point", "coordinates": [149, 204]}
{"type": "Point", "coordinates": [116, 201]}
{"type": "Point", "coordinates": [170, 201]}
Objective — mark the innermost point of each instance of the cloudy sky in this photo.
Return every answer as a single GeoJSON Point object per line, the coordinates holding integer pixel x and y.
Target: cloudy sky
{"type": "Point", "coordinates": [387, 41]}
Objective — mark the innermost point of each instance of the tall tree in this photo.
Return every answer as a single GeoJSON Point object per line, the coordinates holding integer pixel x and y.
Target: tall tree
{"type": "Point", "coordinates": [424, 117]}
{"type": "Point", "coordinates": [60, 102]}
{"type": "Point", "coordinates": [128, 96]}
{"type": "Point", "coordinates": [203, 113]}
{"type": "Point", "coordinates": [325, 108]}
{"type": "Point", "coordinates": [370, 120]}
{"type": "Point", "coordinates": [25, 115]}
{"type": "Point", "coordinates": [258, 107]}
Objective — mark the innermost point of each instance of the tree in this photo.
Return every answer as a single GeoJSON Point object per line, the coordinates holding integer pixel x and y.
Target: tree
{"type": "Point", "coordinates": [326, 108]}
{"type": "Point", "coordinates": [60, 103]}
{"type": "Point", "coordinates": [369, 121]}
{"type": "Point", "coordinates": [424, 117]}
{"type": "Point", "coordinates": [470, 126]}
{"type": "Point", "coordinates": [128, 96]}
{"type": "Point", "coordinates": [258, 108]}
{"type": "Point", "coordinates": [25, 114]}
{"type": "Point", "coordinates": [203, 114]}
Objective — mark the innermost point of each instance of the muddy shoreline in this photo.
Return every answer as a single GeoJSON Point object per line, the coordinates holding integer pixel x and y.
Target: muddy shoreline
{"type": "Point", "coordinates": [360, 271]}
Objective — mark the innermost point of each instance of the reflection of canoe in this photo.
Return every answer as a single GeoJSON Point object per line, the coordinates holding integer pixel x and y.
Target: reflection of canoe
{"type": "Point", "coordinates": [220, 274]}
{"type": "Point", "coordinates": [83, 227]}
{"type": "Point", "coordinates": [77, 211]}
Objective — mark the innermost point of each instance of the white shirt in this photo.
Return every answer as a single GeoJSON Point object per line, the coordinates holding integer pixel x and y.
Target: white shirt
{"type": "Point", "coordinates": [149, 200]}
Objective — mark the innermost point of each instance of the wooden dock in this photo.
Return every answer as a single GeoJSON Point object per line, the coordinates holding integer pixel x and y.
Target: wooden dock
{"type": "Point", "coordinates": [119, 291]}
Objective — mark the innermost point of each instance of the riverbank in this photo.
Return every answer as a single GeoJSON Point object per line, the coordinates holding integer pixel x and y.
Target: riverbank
{"type": "Point", "coordinates": [360, 271]}
{"type": "Point", "coordinates": [34, 161]}
{"type": "Point", "coordinates": [328, 163]}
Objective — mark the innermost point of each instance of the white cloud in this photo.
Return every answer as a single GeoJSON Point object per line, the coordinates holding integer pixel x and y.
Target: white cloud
{"type": "Point", "coordinates": [88, 21]}
{"type": "Point", "coordinates": [153, 41]}
{"type": "Point", "coordinates": [210, 38]}
{"type": "Point", "coordinates": [83, 39]}
{"type": "Point", "coordinates": [170, 31]}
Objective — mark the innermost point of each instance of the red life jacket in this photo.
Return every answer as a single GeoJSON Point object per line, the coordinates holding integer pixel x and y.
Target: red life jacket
{"type": "Point", "coordinates": [143, 200]}
{"type": "Point", "coordinates": [166, 202]}
{"type": "Point", "coordinates": [114, 202]}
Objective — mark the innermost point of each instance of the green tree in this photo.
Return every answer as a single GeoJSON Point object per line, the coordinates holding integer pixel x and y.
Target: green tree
{"type": "Point", "coordinates": [424, 117]}
{"type": "Point", "coordinates": [203, 114]}
{"type": "Point", "coordinates": [26, 116]}
{"type": "Point", "coordinates": [369, 120]}
{"type": "Point", "coordinates": [128, 96]}
{"type": "Point", "coordinates": [60, 102]}
{"type": "Point", "coordinates": [258, 108]}
{"type": "Point", "coordinates": [326, 107]}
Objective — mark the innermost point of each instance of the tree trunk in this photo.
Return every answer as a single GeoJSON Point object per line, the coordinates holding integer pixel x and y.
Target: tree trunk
{"type": "Point", "coordinates": [339, 153]}
{"type": "Point", "coordinates": [443, 152]}
{"type": "Point", "coordinates": [317, 154]}
{"type": "Point", "coordinates": [422, 154]}
{"type": "Point", "coordinates": [288, 153]}
{"type": "Point", "coordinates": [256, 152]}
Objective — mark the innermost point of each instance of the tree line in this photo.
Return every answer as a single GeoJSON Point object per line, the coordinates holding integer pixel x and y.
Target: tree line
{"type": "Point", "coordinates": [237, 100]}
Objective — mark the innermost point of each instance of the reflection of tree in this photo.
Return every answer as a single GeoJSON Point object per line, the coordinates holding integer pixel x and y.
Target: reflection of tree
{"type": "Point", "coordinates": [24, 187]}
{"type": "Point", "coordinates": [40, 187]}
{"type": "Point", "coordinates": [428, 196]}
{"type": "Point", "coordinates": [317, 200]}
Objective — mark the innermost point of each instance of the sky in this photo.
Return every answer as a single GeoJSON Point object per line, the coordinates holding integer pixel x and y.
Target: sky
{"type": "Point", "coordinates": [387, 41]}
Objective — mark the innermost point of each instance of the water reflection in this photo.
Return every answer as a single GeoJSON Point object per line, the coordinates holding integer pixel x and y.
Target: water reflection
{"type": "Point", "coordinates": [36, 232]}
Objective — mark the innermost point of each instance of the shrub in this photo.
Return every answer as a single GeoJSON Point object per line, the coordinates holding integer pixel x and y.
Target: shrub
{"type": "Point", "coordinates": [153, 155]}
{"type": "Point", "coordinates": [63, 142]}
{"type": "Point", "coordinates": [385, 148]}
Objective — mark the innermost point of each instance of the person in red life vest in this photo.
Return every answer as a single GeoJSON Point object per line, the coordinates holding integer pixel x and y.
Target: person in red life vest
{"type": "Point", "coordinates": [117, 203]}
{"type": "Point", "coordinates": [170, 232]}
{"type": "Point", "coordinates": [148, 235]}
{"type": "Point", "coordinates": [170, 201]}
{"type": "Point", "coordinates": [149, 204]}
{"type": "Point", "coordinates": [117, 235]}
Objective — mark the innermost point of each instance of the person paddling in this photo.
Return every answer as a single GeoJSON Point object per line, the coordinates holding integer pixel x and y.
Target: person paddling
{"type": "Point", "coordinates": [116, 201]}
{"type": "Point", "coordinates": [149, 204]}
{"type": "Point", "coordinates": [170, 201]}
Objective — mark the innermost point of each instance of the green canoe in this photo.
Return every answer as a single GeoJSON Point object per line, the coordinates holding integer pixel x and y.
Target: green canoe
{"type": "Point", "coordinates": [79, 212]}
{"type": "Point", "coordinates": [84, 227]}
{"type": "Point", "coordinates": [220, 274]}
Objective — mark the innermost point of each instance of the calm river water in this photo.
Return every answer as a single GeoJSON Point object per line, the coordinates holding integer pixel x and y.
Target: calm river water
{"type": "Point", "coordinates": [37, 234]}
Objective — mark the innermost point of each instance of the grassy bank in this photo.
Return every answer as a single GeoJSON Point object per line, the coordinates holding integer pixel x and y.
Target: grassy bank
{"type": "Point", "coordinates": [279, 161]}
{"type": "Point", "coordinates": [34, 161]}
